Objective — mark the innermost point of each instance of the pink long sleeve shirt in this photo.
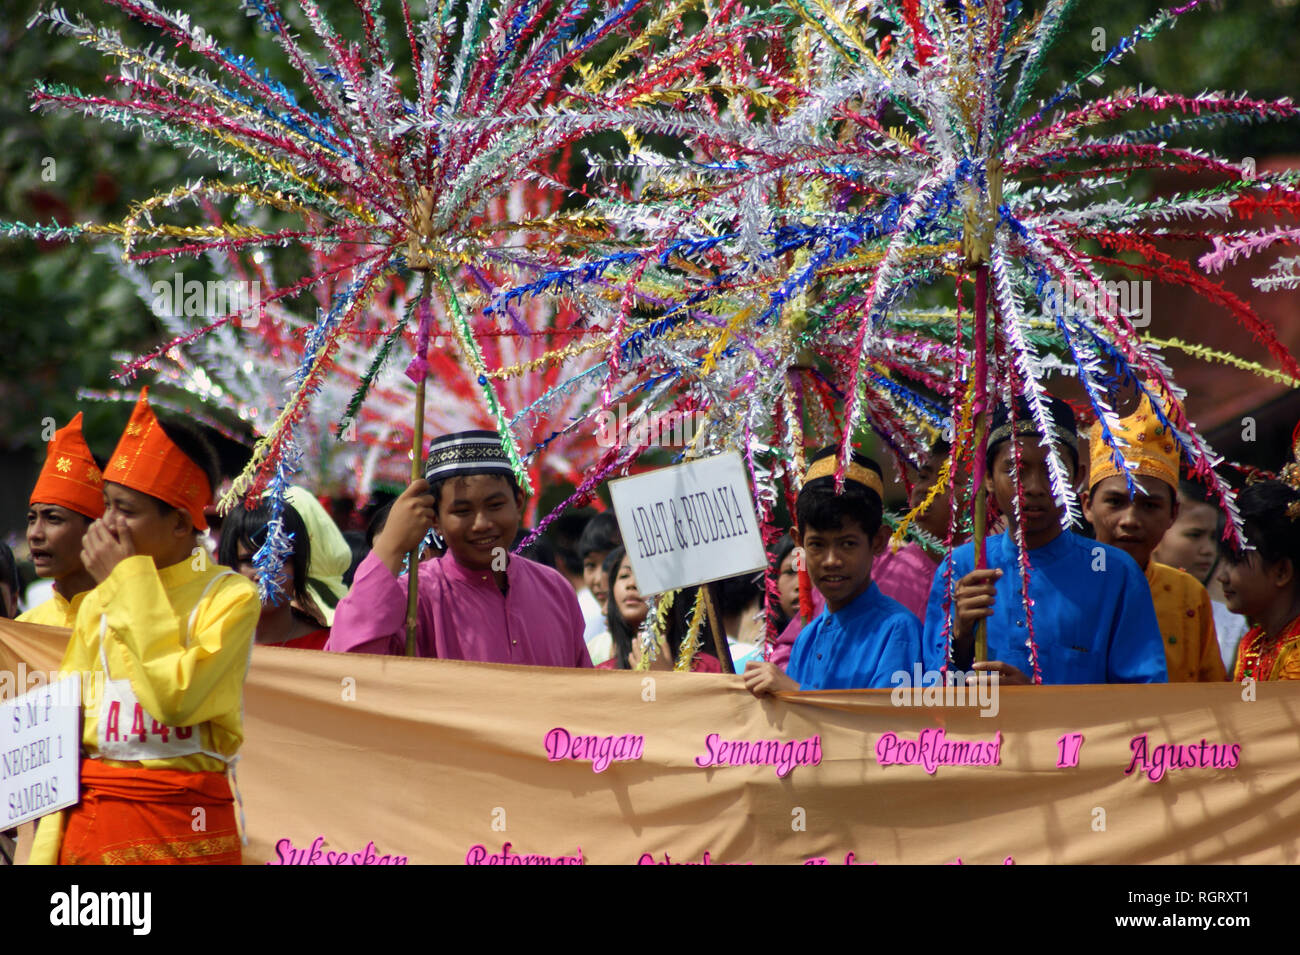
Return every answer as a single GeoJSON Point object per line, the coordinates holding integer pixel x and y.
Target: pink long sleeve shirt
{"type": "Point", "coordinates": [906, 575]}
{"type": "Point", "coordinates": [463, 614]}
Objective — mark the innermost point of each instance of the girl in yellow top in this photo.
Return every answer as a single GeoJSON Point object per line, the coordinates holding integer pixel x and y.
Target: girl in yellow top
{"type": "Point", "coordinates": [1263, 583]}
{"type": "Point", "coordinates": [162, 642]}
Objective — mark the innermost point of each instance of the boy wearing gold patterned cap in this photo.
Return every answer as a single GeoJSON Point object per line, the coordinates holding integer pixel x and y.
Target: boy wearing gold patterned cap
{"type": "Point", "coordinates": [68, 496]}
{"type": "Point", "coordinates": [1136, 523]}
{"type": "Point", "coordinates": [862, 638]}
{"type": "Point", "coordinates": [167, 634]}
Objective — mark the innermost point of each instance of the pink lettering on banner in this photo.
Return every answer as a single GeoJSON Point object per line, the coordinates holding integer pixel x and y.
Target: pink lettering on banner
{"type": "Point", "coordinates": [850, 858]}
{"type": "Point", "coordinates": [1007, 861]}
{"type": "Point", "coordinates": [647, 858]}
{"type": "Point", "coordinates": [1157, 760]}
{"type": "Point", "coordinates": [286, 853]}
{"type": "Point", "coordinates": [479, 855]}
{"type": "Point", "coordinates": [600, 751]}
{"type": "Point", "coordinates": [785, 755]}
{"type": "Point", "coordinates": [1068, 747]}
{"type": "Point", "coordinates": [933, 749]}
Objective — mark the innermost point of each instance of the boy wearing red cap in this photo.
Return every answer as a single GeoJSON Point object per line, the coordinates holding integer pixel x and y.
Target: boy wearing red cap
{"type": "Point", "coordinates": [68, 496]}
{"type": "Point", "coordinates": [169, 632]}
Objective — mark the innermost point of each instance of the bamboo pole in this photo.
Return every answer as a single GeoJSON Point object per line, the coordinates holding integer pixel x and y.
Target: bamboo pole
{"type": "Point", "coordinates": [719, 637]}
{"type": "Point", "coordinates": [420, 259]}
{"type": "Point", "coordinates": [977, 240]}
{"type": "Point", "coordinates": [981, 441]}
{"type": "Point", "coordinates": [413, 558]}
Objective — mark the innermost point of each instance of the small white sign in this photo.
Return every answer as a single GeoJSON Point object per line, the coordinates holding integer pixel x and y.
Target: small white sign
{"type": "Point", "coordinates": [689, 524]}
{"type": "Point", "coordinates": [40, 751]}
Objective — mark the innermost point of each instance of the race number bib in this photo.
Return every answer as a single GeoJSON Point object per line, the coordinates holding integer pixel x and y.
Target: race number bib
{"type": "Point", "coordinates": [126, 730]}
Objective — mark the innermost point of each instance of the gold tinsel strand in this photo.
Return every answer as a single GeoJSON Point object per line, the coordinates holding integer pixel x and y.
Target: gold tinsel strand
{"type": "Point", "coordinates": [941, 482]}
{"type": "Point", "coordinates": [686, 654]}
{"type": "Point", "coordinates": [1209, 354]}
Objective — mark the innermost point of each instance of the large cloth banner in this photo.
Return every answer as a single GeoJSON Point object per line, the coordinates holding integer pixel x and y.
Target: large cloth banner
{"type": "Point", "coordinates": [354, 759]}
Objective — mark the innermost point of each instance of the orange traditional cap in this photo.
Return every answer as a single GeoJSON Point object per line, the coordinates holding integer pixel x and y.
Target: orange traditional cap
{"type": "Point", "coordinates": [1150, 446]}
{"type": "Point", "coordinates": [146, 460]}
{"type": "Point", "coordinates": [70, 477]}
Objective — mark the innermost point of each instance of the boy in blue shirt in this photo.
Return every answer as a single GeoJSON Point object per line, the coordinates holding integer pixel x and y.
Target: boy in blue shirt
{"type": "Point", "coordinates": [862, 638]}
{"type": "Point", "coordinates": [1093, 619]}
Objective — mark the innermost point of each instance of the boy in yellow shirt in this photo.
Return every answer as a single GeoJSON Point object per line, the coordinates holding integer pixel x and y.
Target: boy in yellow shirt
{"type": "Point", "coordinates": [167, 634]}
{"type": "Point", "coordinates": [1136, 523]}
{"type": "Point", "coordinates": [68, 496]}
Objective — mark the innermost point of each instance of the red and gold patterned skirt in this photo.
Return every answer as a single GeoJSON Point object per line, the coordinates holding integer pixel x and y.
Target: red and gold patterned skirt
{"type": "Point", "coordinates": [150, 817]}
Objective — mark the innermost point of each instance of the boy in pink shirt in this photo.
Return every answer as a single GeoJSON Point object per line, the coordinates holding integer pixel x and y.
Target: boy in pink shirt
{"type": "Point", "coordinates": [477, 601]}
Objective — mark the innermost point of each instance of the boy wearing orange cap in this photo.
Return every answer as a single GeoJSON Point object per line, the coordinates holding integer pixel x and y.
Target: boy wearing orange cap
{"type": "Point", "coordinates": [68, 496]}
{"type": "Point", "coordinates": [168, 632]}
{"type": "Point", "coordinates": [1136, 523]}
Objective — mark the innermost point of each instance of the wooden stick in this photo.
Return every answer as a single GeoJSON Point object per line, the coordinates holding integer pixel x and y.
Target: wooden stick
{"type": "Point", "coordinates": [981, 509]}
{"type": "Point", "coordinates": [981, 440]}
{"type": "Point", "coordinates": [719, 638]}
{"type": "Point", "coordinates": [978, 231]}
{"type": "Point", "coordinates": [413, 558]}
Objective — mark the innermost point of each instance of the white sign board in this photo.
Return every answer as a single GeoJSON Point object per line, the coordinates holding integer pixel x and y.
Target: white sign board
{"type": "Point", "coordinates": [40, 751]}
{"type": "Point", "coordinates": [689, 524]}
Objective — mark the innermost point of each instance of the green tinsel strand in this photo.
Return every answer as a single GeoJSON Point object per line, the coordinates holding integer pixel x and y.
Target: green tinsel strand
{"type": "Point", "coordinates": [1232, 186]}
{"type": "Point", "coordinates": [1033, 68]}
{"type": "Point", "coordinates": [945, 329]}
{"type": "Point", "coordinates": [466, 336]}
{"type": "Point", "coordinates": [471, 176]}
{"type": "Point", "coordinates": [376, 365]}
{"type": "Point", "coordinates": [920, 536]}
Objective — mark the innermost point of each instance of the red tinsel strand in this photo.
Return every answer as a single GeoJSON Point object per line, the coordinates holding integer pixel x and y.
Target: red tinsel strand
{"type": "Point", "coordinates": [922, 42]}
{"type": "Point", "coordinates": [185, 111]}
{"type": "Point", "coordinates": [1247, 206]}
{"type": "Point", "coordinates": [1178, 272]}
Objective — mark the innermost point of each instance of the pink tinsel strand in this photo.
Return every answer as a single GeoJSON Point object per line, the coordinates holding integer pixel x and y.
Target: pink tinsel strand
{"type": "Point", "coordinates": [1022, 552]}
{"type": "Point", "coordinates": [376, 188]}
{"type": "Point", "coordinates": [1227, 249]}
{"type": "Point", "coordinates": [612, 460]}
{"type": "Point", "coordinates": [1161, 157]}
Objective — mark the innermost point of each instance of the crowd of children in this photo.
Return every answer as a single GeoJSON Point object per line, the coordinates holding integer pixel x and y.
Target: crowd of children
{"type": "Point", "coordinates": [171, 628]}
